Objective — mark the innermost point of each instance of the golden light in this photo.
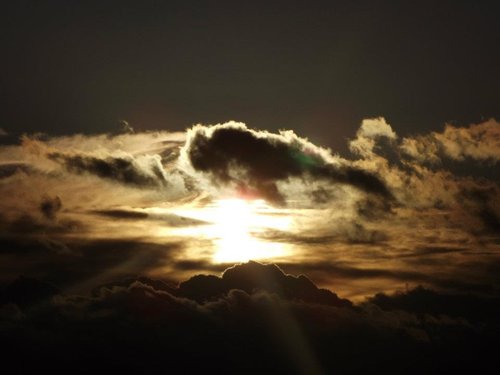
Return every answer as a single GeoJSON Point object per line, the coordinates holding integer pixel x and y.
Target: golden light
{"type": "Point", "coordinates": [233, 225]}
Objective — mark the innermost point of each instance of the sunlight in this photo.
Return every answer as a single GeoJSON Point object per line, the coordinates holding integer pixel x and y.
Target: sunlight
{"type": "Point", "coordinates": [234, 222]}
{"type": "Point", "coordinates": [233, 225]}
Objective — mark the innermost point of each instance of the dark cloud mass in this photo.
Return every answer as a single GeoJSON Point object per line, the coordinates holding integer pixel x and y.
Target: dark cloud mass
{"type": "Point", "coordinates": [255, 161]}
{"type": "Point", "coordinates": [252, 277]}
{"type": "Point", "coordinates": [271, 322]}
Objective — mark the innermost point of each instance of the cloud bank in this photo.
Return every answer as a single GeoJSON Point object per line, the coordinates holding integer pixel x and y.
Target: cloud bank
{"type": "Point", "coordinates": [260, 321]}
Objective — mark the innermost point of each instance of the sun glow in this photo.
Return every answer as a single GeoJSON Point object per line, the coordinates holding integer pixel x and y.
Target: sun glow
{"type": "Point", "coordinates": [234, 225]}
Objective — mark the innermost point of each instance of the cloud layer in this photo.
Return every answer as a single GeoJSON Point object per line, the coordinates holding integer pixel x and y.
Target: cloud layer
{"type": "Point", "coordinates": [371, 221]}
{"type": "Point", "coordinates": [260, 322]}
{"type": "Point", "coordinates": [83, 216]}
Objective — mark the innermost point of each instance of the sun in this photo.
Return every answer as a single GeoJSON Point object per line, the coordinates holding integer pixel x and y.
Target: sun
{"type": "Point", "coordinates": [236, 222]}
{"type": "Point", "coordinates": [234, 227]}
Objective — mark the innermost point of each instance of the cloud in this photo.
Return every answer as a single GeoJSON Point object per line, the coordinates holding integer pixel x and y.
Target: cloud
{"type": "Point", "coordinates": [134, 167]}
{"type": "Point", "coordinates": [26, 291]}
{"type": "Point", "coordinates": [367, 135]}
{"type": "Point", "coordinates": [50, 206]}
{"type": "Point", "coordinates": [126, 127]}
{"type": "Point", "coordinates": [81, 263]}
{"type": "Point", "coordinates": [122, 214]}
{"type": "Point", "coordinates": [421, 300]}
{"type": "Point", "coordinates": [415, 172]}
{"type": "Point", "coordinates": [479, 142]}
{"type": "Point", "coordinates": [8, 169]}
{"type": "Point", "coordinates": [144, 171]}
{"type": "Point", "coordinates": [254, 162]}
{"type": "Point", "coordinates": [253, 276]}
{"type": "Point", "coordinates": [89, 174]}
{"type": "Point", "coordinates": [142, 324]}
{"type": "Point", "coordinates": [115, 206]}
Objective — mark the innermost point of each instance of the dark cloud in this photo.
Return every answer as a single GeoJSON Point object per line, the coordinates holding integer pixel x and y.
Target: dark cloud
{"type": "Point", "coordinates": [347, 231]}
{"type": "Point", "coordinates": [156, 284]}
{"type": "Point", "coordinates": [348, 271]}
{"type": "Point", "coordinates": [8, 169]}
{"type": "Point", "coordinates": [484, 201]}
{"type": "Point", "coordinates": [80, 264]}
{"type": "Point", "coordinates": [433, 250]}
{"type": "Point", "coordinates": [27, 224]}
{"type": "Point", "coordinates": [142, 324]}
{"type": "Point", "coordinates": [253, 276]}
{"type": "Point", "coordinates": [26, 292]}
{"type": "Point", "coordinates": [147, 172]}
{"type": "Point", "coordinates": [203, 265]}
{"type": "Point", "coordinates": [255, 161]}
{"type": "Point", "coordinates": [50, 206]}
{"type": "Point", "coordinates": [122, 214]}
{"type": "Point", "coordinates": [126, 127]}
{"type": "Point", "coordinates": [166, 219]}
{"type": "Point", "coordinates": [426, 301]}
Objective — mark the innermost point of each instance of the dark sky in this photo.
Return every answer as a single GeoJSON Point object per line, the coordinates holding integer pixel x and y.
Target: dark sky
{"type": "Point", "coordinates": [316, 67]}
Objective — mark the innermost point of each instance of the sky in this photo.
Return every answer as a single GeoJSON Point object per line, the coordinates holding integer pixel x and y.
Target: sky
{"type": "Point", "coordinates": [318, 68]}
{"type": "Point", "coordinates": [197, 185]}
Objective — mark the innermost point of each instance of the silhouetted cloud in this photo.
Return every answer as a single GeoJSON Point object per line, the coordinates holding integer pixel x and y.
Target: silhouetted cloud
{"type": "Point", "coordinates": [426, 301]}
{"type": "Point", "coordinates": [270, 324]}
{"type": "Point", "coordinates": [253, 276]}
{"type": "Point", "coordinates": [26, 292]}
{"type": "Point", "coordinates": [83, 263]}
{"type": "Point", "coordinates": [253, 161]}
